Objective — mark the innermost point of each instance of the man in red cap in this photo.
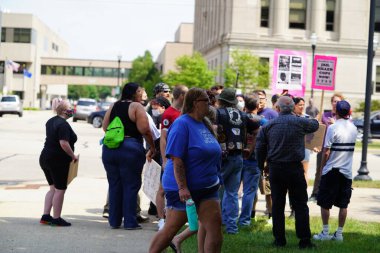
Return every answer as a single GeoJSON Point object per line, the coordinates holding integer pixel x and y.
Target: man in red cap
{"type": "Point", "coordinates": [336, 181]}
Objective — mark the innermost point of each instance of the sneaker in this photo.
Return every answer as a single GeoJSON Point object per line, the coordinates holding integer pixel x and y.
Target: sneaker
{"type": "Point", "coordinates": [313, 198]}
{"type": "Point", "coordinates": [105, 213]}
{"type": "Point", "coordinates": [322, 237]}
{"type": "Point", "coordinates": [160, 224]}
{"type": "Point", "coordinates": [46, 219]}
{"type": "Point", "coordinates": [141, 218]}
{"type": "Point", "coordinates": [336, 237]}
{"type": "Point", "coordinates": [59, 222]}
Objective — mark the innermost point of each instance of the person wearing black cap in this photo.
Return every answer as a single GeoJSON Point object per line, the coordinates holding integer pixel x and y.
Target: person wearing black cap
{"type": "Point", "coordinates": [336, 181]}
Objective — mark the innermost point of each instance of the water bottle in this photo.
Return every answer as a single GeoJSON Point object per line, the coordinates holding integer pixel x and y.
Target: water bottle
{"type": "Point", "coordinates": [192, 216]}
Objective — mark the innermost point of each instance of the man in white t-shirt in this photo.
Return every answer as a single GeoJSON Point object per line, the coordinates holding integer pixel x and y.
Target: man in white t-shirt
{"type": "Point", "coordinates": [336, 181]}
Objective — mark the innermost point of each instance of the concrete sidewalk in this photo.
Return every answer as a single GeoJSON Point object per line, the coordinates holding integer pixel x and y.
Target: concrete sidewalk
{"type": "Point", "coordinates": [21, 206]}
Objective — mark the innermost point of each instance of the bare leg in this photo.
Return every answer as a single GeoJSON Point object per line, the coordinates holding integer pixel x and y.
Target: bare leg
{"type": "Point", "coordinates": [325, 214]}
{"type": "Point", "coordinates": [342, 216]}
{"type": "Point", "coordinates": [49, 200]}
{"type": "Point", "coordinates": [160, 202]}
{"type": "Point", "coordinates": [178, 239]}
{"type": "Point", "coordinates": [174, 221]}
{"type": "Point", "coordinates": [211, 222]}
{"type": "Point", "coordinates": [58, 197]}
{"type": "Point", "coordinates": [201, 238]}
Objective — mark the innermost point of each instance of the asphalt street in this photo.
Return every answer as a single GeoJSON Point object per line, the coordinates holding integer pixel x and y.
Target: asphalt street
{"type": "Point", "coordinates": [23, 187]}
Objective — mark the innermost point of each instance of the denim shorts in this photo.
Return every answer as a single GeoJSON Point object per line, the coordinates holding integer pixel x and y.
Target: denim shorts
{"type": "Point", "coordinates": [173, 201]}
{"type": "Point", "coordinates": [205, 194]}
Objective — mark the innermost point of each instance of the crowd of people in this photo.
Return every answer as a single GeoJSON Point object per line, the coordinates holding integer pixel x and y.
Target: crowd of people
{"type": "Point", "coordinates": [210, 144]}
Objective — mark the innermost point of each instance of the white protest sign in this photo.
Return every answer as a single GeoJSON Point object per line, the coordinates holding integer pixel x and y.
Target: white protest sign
{"type": "Point", "coordinates": [151, 183]}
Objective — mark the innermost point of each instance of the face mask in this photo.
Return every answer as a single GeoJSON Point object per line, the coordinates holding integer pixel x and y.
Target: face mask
{"type": "Point", "coordinates": [69, 113]}
{"type": "Point", "coordinates": [156, 112]}
{"type": "Point", "coordinates": [240, 105]}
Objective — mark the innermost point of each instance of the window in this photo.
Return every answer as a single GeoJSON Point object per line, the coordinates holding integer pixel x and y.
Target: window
{"type": "Point", "coordinates": [330, 12]}
{"type": "Point", "coordinates": [3, 30]}
{"type": "Point", "coordinates": [264, 20]}
{"type": "Point", "coordinates": [377, 85]}
{"type": "Point", "coordinates": [78, 71]}
{"type": "Point", "coordinates": [1, 67]}
{"type": "Point", "coordinates": [377, 16]}
{"type": "Point", "coordinates": [22, 35]}
{"type": "Point", "coordinates": [297, 14]}
{"type": "Point", "coordinates": [88, 71]}
{"type": "Point", "coordinates": [69, 71]}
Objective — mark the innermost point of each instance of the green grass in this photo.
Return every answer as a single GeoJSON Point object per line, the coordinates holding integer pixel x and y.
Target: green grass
{"type": "Point", "coordinates": [372, 145]}
{"type": "Point", "coordinates": [358, 184]}
{"type": "Point", "coordinates": [358, 237]}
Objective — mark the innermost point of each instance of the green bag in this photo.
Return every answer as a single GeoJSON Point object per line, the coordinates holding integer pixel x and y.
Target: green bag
{"type": "Point", "coordinates": [114, 134]}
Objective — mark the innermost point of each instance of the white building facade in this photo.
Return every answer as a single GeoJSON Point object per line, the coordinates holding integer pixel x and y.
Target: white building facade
{"type": "Point", "coordinates": [261, 26]}
{"type": "Point", "coordinates": [24, 40]}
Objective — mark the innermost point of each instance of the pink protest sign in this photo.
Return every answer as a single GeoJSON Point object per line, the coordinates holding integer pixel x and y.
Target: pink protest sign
{"type": "Point", "coordinates": [289, 72]}
{"type": "Point", "coordinates": [324, 72]}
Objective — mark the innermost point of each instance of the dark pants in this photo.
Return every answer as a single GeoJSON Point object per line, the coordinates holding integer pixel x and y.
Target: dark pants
{"type": "Point", "coordinates": [289, 177]}
{"type": "Point", "coordinates": [124, 167]}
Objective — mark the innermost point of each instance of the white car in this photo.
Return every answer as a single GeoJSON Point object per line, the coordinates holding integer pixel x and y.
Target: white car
{"type": "Point", "coordinates": [84, 107]}
{"type": "Point", "coordinates": [10, 104]}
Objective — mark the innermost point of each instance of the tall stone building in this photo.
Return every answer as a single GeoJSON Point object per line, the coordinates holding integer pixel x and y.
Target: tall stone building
{"type": "Point", "coordinates": [261, 26]}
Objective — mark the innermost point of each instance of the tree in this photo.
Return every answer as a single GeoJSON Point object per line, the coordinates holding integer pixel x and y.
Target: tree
{"type": "Point", "coordinates": [253, 73]}
{"type": "Point", "coordinates": [192, 71]}
{"type": "Point", "coordinates": [375, 106]}
{"type": "Point", "coordinates": [144, 72]}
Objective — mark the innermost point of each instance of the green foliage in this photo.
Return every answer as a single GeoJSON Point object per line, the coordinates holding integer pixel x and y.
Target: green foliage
{"type": "Point", "coordinates": [88, 91]}
{"type": "Point", "coordinates": [358, 237]}
{"type": "Point", "coordinates": [192, 71]}
{"type": "Point", "coordinates": [253, 74]}
{"type": "Point", "coordinates": [144, 72]}
{"type": "Point", "coordinates": [375, 106]}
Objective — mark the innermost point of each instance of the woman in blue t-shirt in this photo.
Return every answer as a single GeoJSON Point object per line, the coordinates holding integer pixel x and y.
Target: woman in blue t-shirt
{"type": "Point", "coordinates": [192, 173]}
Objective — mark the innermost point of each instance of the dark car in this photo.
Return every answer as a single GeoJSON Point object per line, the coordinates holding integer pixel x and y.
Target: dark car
{"type": "Point", "coordinates": [374, 125]}
{"type": "Point", "coordinates": [96, 118]}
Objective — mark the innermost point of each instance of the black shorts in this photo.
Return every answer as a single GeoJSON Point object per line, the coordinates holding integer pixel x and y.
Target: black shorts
{"type": "Point", "coordinates": [205, 194]}
{"type": "Point", "coordinates": [334, 189]}
{"type": "Point", "coordinates": [56, 171]}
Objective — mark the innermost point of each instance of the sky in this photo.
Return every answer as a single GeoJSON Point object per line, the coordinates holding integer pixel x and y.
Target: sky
{"type": "Point", "coordinates": [104, 29]}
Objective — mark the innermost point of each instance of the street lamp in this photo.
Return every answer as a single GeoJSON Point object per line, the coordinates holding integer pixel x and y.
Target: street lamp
{"type": "Point", "coordinates": [372, 41]}
{"type": "Point", "coordinates": [122, 75]}
{"type": "Point", "coordinates": [118, 72]}
{"type": "Point", "coordinates": [313, 41]}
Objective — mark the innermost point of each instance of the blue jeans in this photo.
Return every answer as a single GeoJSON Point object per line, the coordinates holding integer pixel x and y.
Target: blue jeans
{"type": "Point", "coordinates": [231, 174]}
{"type": "Point", "coordinates": [124, 167]}
{"type": "Point", "coordinates": [250, 177]}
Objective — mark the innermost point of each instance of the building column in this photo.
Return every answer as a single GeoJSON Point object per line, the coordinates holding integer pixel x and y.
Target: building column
{"type": "Point", "coordinates": [318, 17]}
{"type": "Point", "coordinates": [280, 19]}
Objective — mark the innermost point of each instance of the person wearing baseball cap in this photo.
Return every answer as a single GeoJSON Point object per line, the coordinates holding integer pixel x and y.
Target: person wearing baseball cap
{"type": "Point", "coordinates": [162, 90]}
{"type": "Point", "coordinates": [336, 181]}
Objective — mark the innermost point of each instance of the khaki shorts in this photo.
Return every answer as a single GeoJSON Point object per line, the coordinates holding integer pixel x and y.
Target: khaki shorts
{"type": "Point", "coordinates": [264, 185]}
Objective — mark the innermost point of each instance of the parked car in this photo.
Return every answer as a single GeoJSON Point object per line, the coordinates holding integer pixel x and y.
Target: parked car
{"type": "Point", "coordinates": [10, 104]}
{"type": "Point", "coordinates": [374, 125]}
{"type": "Point", "coordinates": [104, 105]}
{"type": "Point", "coordinates": [96, 118]}
{"type": "Point", "coordinates": [84, 107]}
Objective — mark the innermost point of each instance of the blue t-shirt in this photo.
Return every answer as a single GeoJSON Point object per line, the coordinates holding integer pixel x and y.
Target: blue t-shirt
{"type": "Point", "coordinates": [268, 113]}
{"type": "Point", "coordinates": [191, 141]}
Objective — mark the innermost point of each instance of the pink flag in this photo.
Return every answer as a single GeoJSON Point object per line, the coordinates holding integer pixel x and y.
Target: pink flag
{"type": "Point", "coordinates": [13, 65]}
